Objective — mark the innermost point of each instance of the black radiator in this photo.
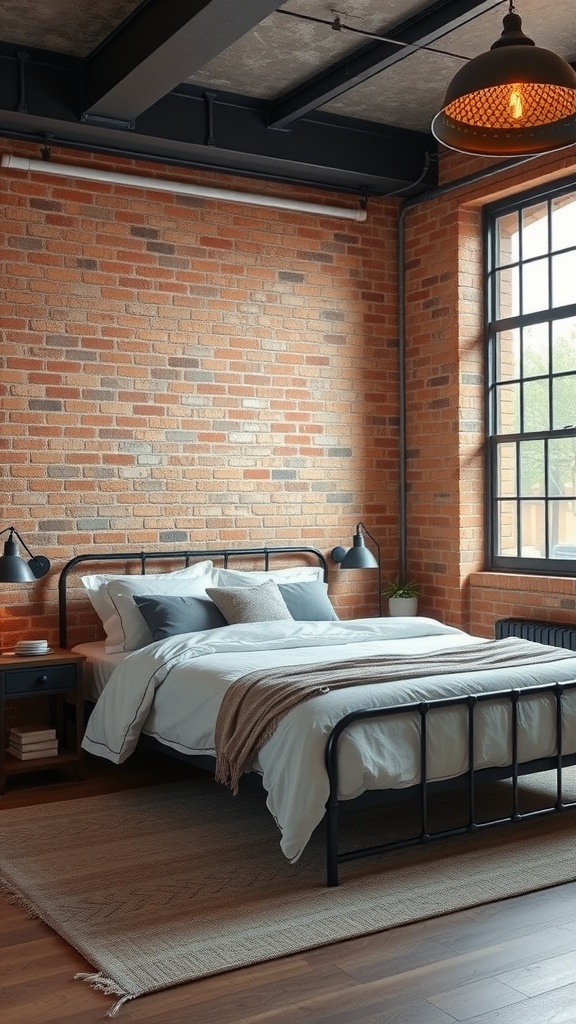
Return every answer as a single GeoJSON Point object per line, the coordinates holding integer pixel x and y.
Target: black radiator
{"type": "Point", "coordinates": [555, 634]}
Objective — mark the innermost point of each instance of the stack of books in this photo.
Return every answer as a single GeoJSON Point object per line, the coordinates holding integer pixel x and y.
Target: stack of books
{"type": "Point", "coordinates": [27, 744]}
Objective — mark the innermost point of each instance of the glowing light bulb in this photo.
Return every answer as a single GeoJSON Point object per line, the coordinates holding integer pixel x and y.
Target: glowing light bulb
{"type": "Point", "coordinates": [516, 103]}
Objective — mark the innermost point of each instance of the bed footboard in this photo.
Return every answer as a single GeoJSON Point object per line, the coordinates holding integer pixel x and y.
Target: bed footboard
{"type": "Point", "coordinates": [471, 778]}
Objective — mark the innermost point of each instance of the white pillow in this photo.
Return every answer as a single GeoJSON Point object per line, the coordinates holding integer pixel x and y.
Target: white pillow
{"type": "Point", "coordinates": [236, 578]}
{"type": "Point", "coordinates": [111, 597]}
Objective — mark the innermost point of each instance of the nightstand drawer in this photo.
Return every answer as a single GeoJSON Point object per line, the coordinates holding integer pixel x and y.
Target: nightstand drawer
{"type": "Point", "coordinates": [44, 678]}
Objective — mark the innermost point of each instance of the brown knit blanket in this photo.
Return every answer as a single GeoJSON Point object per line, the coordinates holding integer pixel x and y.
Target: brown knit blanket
{"type": "Point", "coordinates": [253, 706]}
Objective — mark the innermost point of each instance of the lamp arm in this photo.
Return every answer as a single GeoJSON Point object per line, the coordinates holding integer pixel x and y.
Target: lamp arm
{"type": "Point", "coordinates": [359, 528]}
{"type": "Point", "coordinates": [13, 530]}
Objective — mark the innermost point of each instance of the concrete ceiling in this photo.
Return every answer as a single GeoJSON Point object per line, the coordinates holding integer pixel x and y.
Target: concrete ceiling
{"type": "Point", "coordinates": [301, 92]}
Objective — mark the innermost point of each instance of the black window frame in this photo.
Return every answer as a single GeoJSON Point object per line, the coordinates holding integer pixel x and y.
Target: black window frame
{"type": "Point", "coordinates": [547, 566]}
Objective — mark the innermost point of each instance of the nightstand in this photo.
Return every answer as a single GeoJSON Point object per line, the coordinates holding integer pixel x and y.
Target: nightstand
{"type": "Point", "coordinates": [58, 676]}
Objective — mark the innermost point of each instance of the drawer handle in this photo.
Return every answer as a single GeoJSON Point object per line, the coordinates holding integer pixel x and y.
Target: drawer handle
{"type": "Point", "coordinates": [42, 680]}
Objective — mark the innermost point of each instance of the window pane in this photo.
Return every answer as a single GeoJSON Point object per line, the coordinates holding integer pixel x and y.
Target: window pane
{"type": "Point", "coordinates": [507, 293]}
{"type": "Point", "coordinates": [533, 527]}
{"type": "Point", "coordinates": [562, 531]}
{"type": "Point", "coordinates": [532, 382]}
{"type": "Point", "coordinates": [508, 355]}
{"type": "Point", "coordinates": [507, 537]}
{"type": "Point", "coordinates": [534, 231]}
{"type": "Point", "coordinates": [536, 406]}
{"type": "Point", "coordinates": [508, 409]}
{"type": "Point", "coordinates": [563, 277]}
{"type": "Point", "coordinates": [535, 286]}
{"type": "Point", "coordinates": [562, 466]}
{"type": "Point", "coordinates": [507, 470]}
{"type": "Point", "coordinates": [563, 221]}
{"type": "Point", "coordinates": [563, 402]}
{"type": "Point", "coordinates": [536, 355]}
{"type": "Point", "coordinates": [564, 345]}
{"type": "Point", "coordinates": [507, 239]}
{"type": "Point", "coordinates": [532, 475]}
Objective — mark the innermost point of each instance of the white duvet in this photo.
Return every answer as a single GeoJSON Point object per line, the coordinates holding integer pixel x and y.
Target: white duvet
{"type": "Point", "coordinates": [172, 690]}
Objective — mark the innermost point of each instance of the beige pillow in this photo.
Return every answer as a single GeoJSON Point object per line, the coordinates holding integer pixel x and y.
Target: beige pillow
{"type": "Point", "coordinates": [263, 603]}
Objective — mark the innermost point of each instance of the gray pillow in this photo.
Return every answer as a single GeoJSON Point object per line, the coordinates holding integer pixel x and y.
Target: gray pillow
{"type": "Point", "coordinates": [168, 616]}
{"type": "Point", "coordinates": [262, 603]}
{"type": "Point", "coordinates": [308, 601]}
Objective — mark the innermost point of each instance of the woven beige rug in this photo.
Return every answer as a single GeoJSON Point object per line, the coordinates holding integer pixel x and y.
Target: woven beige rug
{"type": "Point", "coordinates": [163, 885]}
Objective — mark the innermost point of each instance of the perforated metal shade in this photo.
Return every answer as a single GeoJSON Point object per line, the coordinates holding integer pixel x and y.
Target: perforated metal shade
{"type": "Point", "coordinates": [515, 99]}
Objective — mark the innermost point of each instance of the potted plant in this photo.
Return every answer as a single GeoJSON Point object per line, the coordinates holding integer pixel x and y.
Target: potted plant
{"type": "Point", "coordinates": [402, 597]}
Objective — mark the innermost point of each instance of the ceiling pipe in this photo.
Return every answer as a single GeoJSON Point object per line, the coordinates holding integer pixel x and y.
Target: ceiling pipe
{"type": "Point", "coordinates": [18, 163]}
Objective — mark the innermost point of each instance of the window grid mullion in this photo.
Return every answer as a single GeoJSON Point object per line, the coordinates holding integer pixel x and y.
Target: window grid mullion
{"type": "Point", "coordinates": [547, 514]}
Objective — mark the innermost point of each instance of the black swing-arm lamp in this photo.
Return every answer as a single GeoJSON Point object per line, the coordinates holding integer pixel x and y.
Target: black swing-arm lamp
{"type": "Point", "coordinates": [14, 568]}
{"type": "Point", "coordinates": [360, 557]}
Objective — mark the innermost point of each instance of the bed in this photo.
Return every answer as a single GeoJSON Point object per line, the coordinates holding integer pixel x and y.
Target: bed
{"type": "Point", "coordinates": [200, 659]}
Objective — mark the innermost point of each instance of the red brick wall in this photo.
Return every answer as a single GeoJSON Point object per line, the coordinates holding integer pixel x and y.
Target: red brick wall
{"type": "Point", "coordinates": [179, 372]}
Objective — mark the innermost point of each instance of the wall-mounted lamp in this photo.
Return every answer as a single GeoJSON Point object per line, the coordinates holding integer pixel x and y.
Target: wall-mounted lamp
{"type": "Point", "coordinates": [14, 568]}
{"type": "Point", "coordinates": [514, 99]}
{"type": "Point", "coordinates": [360, 557]}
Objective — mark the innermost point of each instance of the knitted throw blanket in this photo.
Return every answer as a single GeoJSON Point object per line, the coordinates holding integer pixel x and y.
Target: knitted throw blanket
{"type": "Point", "coordinates": [253, 706]}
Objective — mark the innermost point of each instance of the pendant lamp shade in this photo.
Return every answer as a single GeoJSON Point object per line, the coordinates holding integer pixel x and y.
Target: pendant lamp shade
{"type": "Point", "coordinates": [14, 568]}
{"type": "Point", "coordinates": [516, 99]}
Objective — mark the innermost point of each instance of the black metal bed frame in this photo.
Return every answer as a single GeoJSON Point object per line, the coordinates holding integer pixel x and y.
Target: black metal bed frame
{"type": "Point", "coordinates": [225, 555]}
{"type": "Point", "coordinates": [471, 779]}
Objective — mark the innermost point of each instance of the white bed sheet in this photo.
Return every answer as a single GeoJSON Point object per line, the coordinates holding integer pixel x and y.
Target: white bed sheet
{"type": "Point", "coordinates": [172, 690]}
{"type": "Point", "coordinates": [98, 667]}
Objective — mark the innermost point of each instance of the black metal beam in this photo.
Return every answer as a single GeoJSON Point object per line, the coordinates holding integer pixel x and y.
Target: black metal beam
{"type": "Point", "coordinates": [423, 29]}
{"type": "Point", "coordinates": [227, 133]}
{"type": "Point", "coordinates": [159, 47]}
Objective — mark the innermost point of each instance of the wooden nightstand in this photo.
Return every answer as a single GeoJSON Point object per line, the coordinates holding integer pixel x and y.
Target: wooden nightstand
{"type": "Point", "coordinates": [57, 675]}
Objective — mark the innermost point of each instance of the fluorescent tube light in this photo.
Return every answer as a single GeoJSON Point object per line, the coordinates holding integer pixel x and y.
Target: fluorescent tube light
{"type": "Point", "coordinates": [18, 163]}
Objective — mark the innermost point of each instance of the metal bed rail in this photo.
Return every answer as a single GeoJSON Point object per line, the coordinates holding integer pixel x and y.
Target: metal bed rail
{"type": "Point", "coordinates": [472, 776]}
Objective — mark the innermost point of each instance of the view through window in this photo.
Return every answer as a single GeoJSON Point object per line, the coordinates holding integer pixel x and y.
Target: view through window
{"type": "Point", "coordinates": [531, 303]}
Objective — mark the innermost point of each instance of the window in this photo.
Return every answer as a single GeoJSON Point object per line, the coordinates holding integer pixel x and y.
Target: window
{"type": "Point", "coordinates": [531, 373]}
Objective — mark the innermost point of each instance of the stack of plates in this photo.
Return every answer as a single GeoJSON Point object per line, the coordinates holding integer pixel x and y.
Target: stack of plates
{"type": "Point", "coordinates": [32, 647]}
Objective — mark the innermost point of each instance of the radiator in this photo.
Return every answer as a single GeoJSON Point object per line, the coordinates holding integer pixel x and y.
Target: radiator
{"type": "Point", "coordinates": [555, 634]}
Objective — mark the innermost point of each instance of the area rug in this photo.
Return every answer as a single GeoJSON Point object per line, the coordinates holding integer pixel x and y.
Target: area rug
{"type": "Point", "coordinates": [162, 885]}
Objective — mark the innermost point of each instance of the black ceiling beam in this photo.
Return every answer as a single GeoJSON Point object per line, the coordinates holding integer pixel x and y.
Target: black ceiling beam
{"type": "Point", "coordinates": [225, 133]}
{"type": "Point", "coordinates": [159, 47]}
{"type": "Point", "coordinates": [423, 29]}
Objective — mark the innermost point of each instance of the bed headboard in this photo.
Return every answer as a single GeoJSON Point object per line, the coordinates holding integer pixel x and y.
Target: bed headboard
{"type": "Point", "coordinates": [224, 556]}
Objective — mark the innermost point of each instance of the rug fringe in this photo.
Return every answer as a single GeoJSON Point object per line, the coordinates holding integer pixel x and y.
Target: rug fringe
{"type": "Point", "coordinates": [12, 895]}
{"type": "Point", "coordinates": [103, 984]}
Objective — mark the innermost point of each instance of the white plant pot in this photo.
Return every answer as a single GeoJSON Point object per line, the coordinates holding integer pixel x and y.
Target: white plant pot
{"type": "Point", "coordinates": [403, 606]}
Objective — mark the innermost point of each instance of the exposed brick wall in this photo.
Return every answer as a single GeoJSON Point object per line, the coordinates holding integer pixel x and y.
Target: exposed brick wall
{"type": "Point", "coordinates": [179, 372]}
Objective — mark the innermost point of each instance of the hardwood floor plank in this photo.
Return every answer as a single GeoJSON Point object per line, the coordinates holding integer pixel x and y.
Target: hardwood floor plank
{"type": "Point", "coordinates": [542, 975]}
{"type": "Point", "coordinates": [476, 998]}
{"type": "Point", "coordinates": [558, 1007]}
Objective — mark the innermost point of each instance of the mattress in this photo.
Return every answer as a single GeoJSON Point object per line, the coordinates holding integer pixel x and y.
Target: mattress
{"type": "Point", "coordinates": [173, 688]}
{"type": "Point", "coordinates": [98, 667]}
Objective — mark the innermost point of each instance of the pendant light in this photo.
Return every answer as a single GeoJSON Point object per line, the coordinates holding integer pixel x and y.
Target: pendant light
{"type": "Point", "coordinates": [516, 99]}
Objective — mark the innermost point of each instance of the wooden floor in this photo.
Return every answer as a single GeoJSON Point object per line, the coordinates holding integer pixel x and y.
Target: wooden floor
{"type": "Point", "coordinates": [512, 962]}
